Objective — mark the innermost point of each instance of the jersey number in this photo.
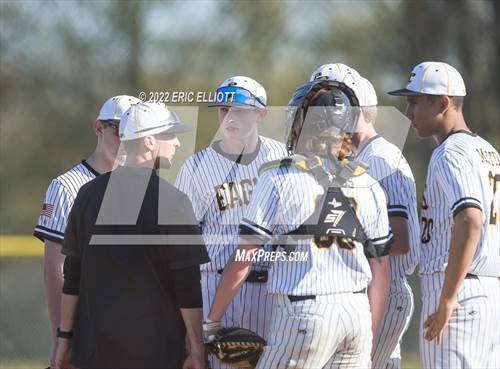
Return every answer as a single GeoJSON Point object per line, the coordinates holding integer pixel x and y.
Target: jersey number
{"type": "Point", "coordinates": [493, 179]}
{"type": "Point", "coordinates": [428, 224]}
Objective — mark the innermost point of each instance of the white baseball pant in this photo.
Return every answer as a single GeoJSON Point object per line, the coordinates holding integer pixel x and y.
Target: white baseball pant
{"type": "Point", "coordinates": [331, 331]}
{"type": "Point", "coordinates": [468, 338]}
{"type": "Point", "coordinates": [386, 351]}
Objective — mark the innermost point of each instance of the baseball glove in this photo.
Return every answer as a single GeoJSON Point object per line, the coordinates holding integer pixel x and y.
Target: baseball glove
{"type": "Point", "coordinates": [237, 347]}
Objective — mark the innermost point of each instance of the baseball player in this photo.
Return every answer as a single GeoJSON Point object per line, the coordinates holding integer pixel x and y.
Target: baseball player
{"type": "Point", "coordinates": [335, 212]}
{"type": "Point", "coordinates": [62, 192]}
{"type": "Point", "coordinates": [220, 180]}
{"type": "Point", "coordinates": [460, 254]}
{"type": "Point", "coordinates": [386, 164]}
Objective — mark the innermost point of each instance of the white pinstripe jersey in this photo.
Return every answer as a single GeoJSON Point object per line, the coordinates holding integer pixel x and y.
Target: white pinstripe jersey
{"type": "Point", "coordinates": [283, 200]}
{"type": "Point", "coordinates": [59, 200]}
{"type": "Point", "coordinates": [220, 190]}
{"type": "Point", "coordinates": [387, 164]}
{"type": "Point", "coordinates": [464, 171]}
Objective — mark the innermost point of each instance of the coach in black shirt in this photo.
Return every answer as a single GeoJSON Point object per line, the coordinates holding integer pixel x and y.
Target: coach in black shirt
{"type": "Point", "coordinates": [132, 290]}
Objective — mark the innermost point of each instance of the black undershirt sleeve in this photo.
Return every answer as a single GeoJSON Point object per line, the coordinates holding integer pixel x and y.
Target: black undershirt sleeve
{"type": "Point", "coordinates": [187, 287]}
{"type": "Point", "coordinates": [71, 271]}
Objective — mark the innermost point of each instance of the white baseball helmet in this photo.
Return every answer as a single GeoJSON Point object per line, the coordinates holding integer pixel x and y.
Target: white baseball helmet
{"type": "Point", "coordinates": [241, 91]}
{"type": "Point", "coordinates": [333, 72]}
{"type": "Point", "coordinates": [363, 89]}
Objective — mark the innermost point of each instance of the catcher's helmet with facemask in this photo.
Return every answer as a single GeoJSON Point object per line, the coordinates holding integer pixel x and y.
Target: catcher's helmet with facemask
{"type": "Point", "coordinates": [320, 108]}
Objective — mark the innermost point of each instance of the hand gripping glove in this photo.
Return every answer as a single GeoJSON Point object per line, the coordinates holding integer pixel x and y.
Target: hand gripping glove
{"type": "Point", "coordinates": [237, 347]}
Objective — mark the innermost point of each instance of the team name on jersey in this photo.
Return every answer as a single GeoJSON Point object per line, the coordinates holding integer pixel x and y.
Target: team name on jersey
{"type": "Point", "coordinates": [231, 194]}
{"type": "Point", "coordinates": [490, 157]}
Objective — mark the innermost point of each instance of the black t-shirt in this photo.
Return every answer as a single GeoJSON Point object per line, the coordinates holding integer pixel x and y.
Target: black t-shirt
{"type": "Point", "coordinates": [125, 226]}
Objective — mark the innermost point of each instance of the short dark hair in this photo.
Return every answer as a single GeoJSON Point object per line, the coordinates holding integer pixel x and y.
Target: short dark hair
{"type": "Point", "coordinates": [132, 146]}
{"type": "Point", "coordinates": [456, 101]}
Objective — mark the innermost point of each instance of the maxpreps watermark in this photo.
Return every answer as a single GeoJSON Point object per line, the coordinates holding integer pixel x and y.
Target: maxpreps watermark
{"type": "Point", "coordinates": [263, 255]}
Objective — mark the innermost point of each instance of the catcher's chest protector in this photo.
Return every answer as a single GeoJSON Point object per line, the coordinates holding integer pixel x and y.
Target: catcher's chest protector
{"type": "Point", "coordinates": [334, 219]}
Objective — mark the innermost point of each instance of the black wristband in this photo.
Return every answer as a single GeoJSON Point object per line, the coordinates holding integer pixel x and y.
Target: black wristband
{"type": "Point", "coordinates": [64, 334]}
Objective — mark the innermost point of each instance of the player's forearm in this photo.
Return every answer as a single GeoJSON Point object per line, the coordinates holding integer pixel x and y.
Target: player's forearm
{"type": "Point", "coordinates": [378, 290]}
{"type": "Point", "coordinates": [233, 277]}
{"type": "Point", "coordinates": [53, 282]}
{"type": "Point", "coordinates": [68, 309]}
{"type": "Point", "coordinates": [464, 239]}
{"type": "Point", "coordinates": [193, 321]}
{"type": "Point", "coordinates": [399, 227]}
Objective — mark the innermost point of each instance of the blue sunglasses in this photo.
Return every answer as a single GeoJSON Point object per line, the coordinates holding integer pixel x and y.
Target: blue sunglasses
{"type": "Point", "coordinates": [236, 96]}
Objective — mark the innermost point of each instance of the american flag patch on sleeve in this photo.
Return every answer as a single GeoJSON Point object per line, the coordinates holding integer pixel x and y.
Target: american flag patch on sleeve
{"type": "Point", "coordinates": [47, 210]}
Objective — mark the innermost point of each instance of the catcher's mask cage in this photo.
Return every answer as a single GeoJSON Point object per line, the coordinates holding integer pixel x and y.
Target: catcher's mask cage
{"type": "Point", "coordinates": [320, 108]}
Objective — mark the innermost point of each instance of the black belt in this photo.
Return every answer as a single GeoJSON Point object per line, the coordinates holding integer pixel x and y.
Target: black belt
{"type": "Point", "coordinates": [301, 298]}
{"type": "Point", "coordinates": [293, 298]}
{"type": "Point", "coordinates": [255, 276]}
{"type": "Point", "coordinates": [471, 276]}
{"type": "Point", "coordinates": [361, 291]}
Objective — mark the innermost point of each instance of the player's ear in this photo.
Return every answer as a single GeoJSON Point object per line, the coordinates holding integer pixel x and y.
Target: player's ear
{"type": "Point", "coordinates": [149, 142]}
{"type": "Point", "coordinates": [445, 103]}
{"type": "Point", "coordinates": [98, 127]}
{"type": "Point", "coordinates": [262, 114]}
